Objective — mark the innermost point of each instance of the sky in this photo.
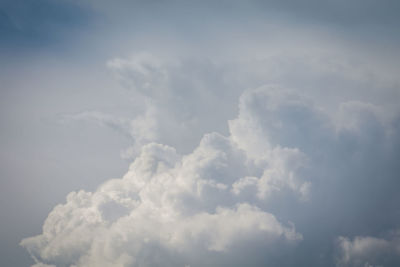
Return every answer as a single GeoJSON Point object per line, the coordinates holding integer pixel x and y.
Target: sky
{"type": "Point", "coordinates": [199, 133]}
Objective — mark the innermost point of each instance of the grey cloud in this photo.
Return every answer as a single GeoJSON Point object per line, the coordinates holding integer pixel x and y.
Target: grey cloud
{"type": "Point", "coordinates": [140, 130]}
{"type": "Point", "coordinates": [196, 96]}
{"type": "Point", "coordinates": [369, 251]}
{"type": "Point", "coordinates": [181, 94]}
{"type": "Point", "coordinates": [350, 165]}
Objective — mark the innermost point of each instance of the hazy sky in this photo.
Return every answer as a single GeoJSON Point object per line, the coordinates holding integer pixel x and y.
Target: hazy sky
{"type": "Point", "coordinates": [199, 133]}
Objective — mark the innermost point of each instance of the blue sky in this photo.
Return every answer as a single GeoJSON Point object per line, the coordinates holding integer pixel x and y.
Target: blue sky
{"type": "Point", "coordinates": [283, 112]}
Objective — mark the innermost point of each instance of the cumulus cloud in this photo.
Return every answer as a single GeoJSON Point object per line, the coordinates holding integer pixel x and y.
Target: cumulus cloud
{"type": "Point", "coordinates": [262, 133]}
{"type": "Point", "coordinates": [268, 189]}
{"type": "Point", "coordinates": [168, 209]}
{"type": "Point", "coordinates": [178, 207]}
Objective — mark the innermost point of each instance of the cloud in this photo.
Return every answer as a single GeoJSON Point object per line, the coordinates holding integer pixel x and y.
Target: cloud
{"type": "Point", "coordinates": [168, 208]}
{"type": "Point", "coordinates": [287, 178]}
{"type": "Point", "coordinates": [144, 72]}
{"type": "Point", "coordinates": [180, 94]}
{"type": "Point", "coordinates": [369, 251]}
{"type": "Point", "coordinates": [318, 150]}
{"type": "Point", "coordinates": [197, 95]}
{"type": "Point", "coordinates": [346, 164]}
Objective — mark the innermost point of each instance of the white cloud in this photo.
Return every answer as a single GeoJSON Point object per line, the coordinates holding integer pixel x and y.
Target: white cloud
{"type": "Point", "coordinates": [283, 159]}
{"type": "Point", "coordinates": [328, 162]}
{"type": "Point", "coordinates": [171, 205]}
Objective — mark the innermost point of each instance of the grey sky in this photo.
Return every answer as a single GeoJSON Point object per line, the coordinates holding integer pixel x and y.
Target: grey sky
{"type": "Point", "coordinates": [85, 84]}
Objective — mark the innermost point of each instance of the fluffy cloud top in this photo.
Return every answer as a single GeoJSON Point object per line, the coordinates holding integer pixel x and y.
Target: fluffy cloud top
{"type": "Point", "coordinates": [171, 210]}
{"type": "Point", "coordinates": [288, 175]}
{"type": "Point", "coordinates": [236, 199]}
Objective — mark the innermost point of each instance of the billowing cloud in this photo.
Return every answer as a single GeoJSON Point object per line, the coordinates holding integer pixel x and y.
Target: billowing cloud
{"type": "Point", "coordinates": [167, 210]}
{"type": "Point", "coordinates": [286, 180]}
{"type": "Point", "coordinates": [261, 133]}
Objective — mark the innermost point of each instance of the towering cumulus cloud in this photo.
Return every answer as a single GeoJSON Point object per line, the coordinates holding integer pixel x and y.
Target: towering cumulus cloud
{"type": "Point", "coordinates": [291, 184]}
{"type": "Point", "coordinates": [171, 210]}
